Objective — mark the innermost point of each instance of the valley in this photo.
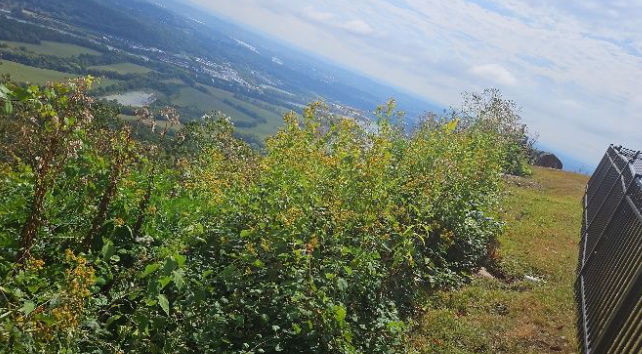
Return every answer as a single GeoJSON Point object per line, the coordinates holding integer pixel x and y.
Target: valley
{"type": "Point", "coordinates": [194, 65]}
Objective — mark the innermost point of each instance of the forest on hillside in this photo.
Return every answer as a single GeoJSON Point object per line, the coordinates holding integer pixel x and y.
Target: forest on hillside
{"type": "Point", "coordinates": [147, 236]}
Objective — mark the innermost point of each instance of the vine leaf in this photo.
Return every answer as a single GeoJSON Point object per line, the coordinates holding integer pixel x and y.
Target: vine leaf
{"type": "Point", "coordinates": [164, 303]}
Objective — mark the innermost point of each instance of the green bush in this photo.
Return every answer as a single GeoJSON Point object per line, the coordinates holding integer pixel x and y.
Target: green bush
{"type": "Point", "coordinates": [491, 112]}
{"type": "Point", "coordinates": [322, 243]}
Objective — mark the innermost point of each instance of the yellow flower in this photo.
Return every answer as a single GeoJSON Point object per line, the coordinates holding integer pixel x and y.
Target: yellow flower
{"type": "Point", "coordinates": [35, 264]}
{"type": "Point", "coordinates": [119, 222]}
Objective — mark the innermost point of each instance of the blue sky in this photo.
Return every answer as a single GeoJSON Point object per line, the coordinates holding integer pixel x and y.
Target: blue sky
{"type": "Point", "coordinates": [575, 66]}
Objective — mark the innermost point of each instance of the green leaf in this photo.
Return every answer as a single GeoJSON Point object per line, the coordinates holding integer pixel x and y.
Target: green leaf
{"type": "Point", "coordinates": [108, 249]}
{"type": "Point", "coordinates": [180, 259]}
{"type": "Point", "coordinates": [245, 233]}
{"type": "Point", "coordinates": [164, 303]}
{"type": "Point", "coordinates": [164, 281]}
{"type": "Point", "coordinates": [149, 269]}
{"type": "Point", "coordinates": [340, 313]}
{"type": "Point", "coordinates": [21, 94]}
{"type": "Point", "coordinates": [28, 307]}
{"type": "Point", "coordinates": [111, 319]}
{"type": "Point", "coordinates": [4, 92]}
{"type": "Point", "coordinates": [179, 281]}
{"type": "Point", "coordinates": [69, 120]}
{"type": "Point", "coordinates": [8, 107]}
{"type": "Point", "coordinates": [451, 126]}
{"type": "Point", "coordinates": [169, 266]}
{"type": "Point", "coordinates": [50, 320]}
{"type": "Point", "coordinates": [33, 288]}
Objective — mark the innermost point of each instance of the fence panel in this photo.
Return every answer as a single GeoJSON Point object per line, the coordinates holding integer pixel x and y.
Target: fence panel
{"type": "Point", "coordinates": [608, 289]}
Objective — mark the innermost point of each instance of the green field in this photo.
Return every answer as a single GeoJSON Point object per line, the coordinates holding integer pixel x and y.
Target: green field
{"type": "Point", "coordinates": [122, 68]}
{"type": "Point", "coordinates": [104, 82]}
{"type": "Point", "coordinates": [509, 314]}
{"type": "Point", "coordinates": [214, 101]}
{"type": "Point", "coordinates": [63, 50]}
{"type": "Point", "coordinates": [187, 97]}
{"type": "Point", "coordinates": [24, 73]}
{"type": "Point", "coordinates": [211, 100]}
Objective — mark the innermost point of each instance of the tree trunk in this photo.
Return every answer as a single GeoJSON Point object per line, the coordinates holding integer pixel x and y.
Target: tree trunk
{"type": "Point", "coordinates": [44, 178]}
{"type": "Point", "coordinates": [103, 207]}
{"type": "Point", "coordinates": [142, 207]}
{"type": "Point", "coordinates": [34, 220]}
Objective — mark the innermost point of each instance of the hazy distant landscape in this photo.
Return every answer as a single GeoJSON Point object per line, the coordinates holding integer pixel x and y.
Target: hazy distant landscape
{"type": "Point", "coordinates": [192, 60]}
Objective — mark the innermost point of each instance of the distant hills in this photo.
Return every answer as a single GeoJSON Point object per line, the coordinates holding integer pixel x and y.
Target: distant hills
{"type": "Point", "coordinates": [186, 57]}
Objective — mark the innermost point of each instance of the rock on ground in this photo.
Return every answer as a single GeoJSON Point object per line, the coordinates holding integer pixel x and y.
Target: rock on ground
{"type": "Point", "coordinates": [547, 159]}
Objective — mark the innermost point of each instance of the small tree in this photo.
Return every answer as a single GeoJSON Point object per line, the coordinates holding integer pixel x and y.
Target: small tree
{"type": "Point", "coordinates": [121, 153]}
{"type": "Point", "coordinates": [48, 125]}
{"type": "Point", "coordinates": [489, 111]}
{"type": "Point", "coordinates": [156, 152]}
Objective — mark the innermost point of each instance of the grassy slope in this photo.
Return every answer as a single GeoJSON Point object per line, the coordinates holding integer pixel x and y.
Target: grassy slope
{"type": "Point", "coordinates": [64, 50]}
{"type": "Point", "coordinates": [30, 74]}
{"type": "Point", "coordinates": [24, 73]}
{"type": "Point", "coordinates": [493, 316]}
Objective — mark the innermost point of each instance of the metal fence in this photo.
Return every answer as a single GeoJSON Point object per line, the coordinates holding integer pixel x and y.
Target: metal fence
{"type": "Point", "coordinates": [609, 274]}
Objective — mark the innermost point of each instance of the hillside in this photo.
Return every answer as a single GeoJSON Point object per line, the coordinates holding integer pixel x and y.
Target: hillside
{"type": "Point", "coordinates": [512, 315]}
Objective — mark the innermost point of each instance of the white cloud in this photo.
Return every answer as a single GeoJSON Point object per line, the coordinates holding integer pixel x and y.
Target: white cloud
{"type": "Point", "coordinates": [319, 16]}
{"type": "Point", "coordinates": [575, 66]}
{"type": "Point", "coordinates": [495, 73]}
{"type": "Point", "coordinates": [570, 102]}
{"type": "Point", "coordinates": [354, 26]}
{"type": "Point", "coordinates": [357, 27]}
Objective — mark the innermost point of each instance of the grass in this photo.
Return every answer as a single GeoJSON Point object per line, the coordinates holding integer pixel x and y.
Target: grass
{"type": "Point", "coordinates": [63, 50]}
{"type": "Point", "coordinates": [214, 101]}
{"type": "Point", "coordinates": [25, 73]}
{"type": "Point", "coordinates": [489, 315]}
{"type": "Point", "coordinates": [104, 82]}
{"type": "Point", "coordinates": [122, 68]}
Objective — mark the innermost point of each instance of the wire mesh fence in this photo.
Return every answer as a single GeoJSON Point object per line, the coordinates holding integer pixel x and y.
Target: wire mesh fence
{"type": "Point", "coordinates": [609, 273]}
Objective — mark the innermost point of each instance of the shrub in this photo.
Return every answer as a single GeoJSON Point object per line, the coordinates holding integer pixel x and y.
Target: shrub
{"type": "Point", "coordinates": [322, 243]}
{"type": "Point", "coordinates": [491, 112]}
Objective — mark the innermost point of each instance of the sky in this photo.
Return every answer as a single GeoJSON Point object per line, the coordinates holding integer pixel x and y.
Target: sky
{"type": "Point", "coordinates": [574, 66]}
